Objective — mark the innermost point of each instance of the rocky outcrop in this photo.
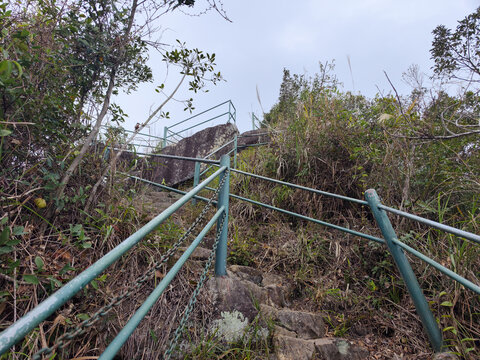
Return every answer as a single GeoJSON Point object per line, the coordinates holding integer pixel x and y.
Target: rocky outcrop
{"type": "Point", "coordinates": [172, 171]}
{"type": "Point", "coordinates": [251, 137]}
{"type": "Point", "coordinates": [297, 335]}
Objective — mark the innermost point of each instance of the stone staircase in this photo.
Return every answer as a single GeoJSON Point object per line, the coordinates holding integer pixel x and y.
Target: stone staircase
{"type": "Point", "coordinates": [297, 335]}
{"type": "Point", "coordinates": [150, 203]}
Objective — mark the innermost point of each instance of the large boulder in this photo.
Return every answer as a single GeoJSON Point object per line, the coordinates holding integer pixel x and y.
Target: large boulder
{"type": "Point", "coordinates": [257, 136]}
{"type": "Point", "coordinates": [173, 171]}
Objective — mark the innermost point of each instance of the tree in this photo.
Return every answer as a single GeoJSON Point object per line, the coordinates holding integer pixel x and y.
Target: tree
{"type": "Point", "coordinates": [457, 53]}
{"type": "Point", "coordinates": [127, 47]}
{"type": "Point", "coordinates": [60, 63]}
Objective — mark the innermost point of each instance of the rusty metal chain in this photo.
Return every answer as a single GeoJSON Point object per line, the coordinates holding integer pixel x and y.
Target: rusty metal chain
{"type": "Point", "coordinates": [193, 299]}
{"type": "Point", "coordinates": [67, 338]}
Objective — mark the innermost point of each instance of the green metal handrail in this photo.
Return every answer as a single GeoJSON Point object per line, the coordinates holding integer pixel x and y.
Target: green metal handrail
{"type": "Point", "coordinates": [134, 321]}
{"type": "Point", "coordinates": [18, 330]}
{"type": "Point", "coordinates": [394, 245]}
{"type": "Point", "coordinates": [167, 133]}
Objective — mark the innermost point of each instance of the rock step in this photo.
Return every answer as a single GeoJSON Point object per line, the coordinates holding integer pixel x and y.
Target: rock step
{"type": "Point", "coordinates": [154, 202]}
{"type": "Point", "coordinates": [292, 348]}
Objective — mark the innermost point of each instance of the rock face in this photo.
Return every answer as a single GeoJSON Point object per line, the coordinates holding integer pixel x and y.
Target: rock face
{"type": "Point", "coordinates": [253, 137]}
{"type": "Point", "coordinates": [172, 171]}
{"type": "Point", "coordinates": [297, 335]}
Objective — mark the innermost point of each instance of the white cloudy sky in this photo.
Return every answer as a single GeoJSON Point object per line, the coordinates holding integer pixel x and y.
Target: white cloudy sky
{"type": "Point", "coordinates": [266, 36]}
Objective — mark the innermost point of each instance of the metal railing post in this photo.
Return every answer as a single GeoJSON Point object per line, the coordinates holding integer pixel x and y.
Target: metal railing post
{"type": "Point", "coordinates": [223, 196]}
{"type": "Point", "coordinates": [196, 179]}
{"type": "Point", "coordinates": [229, 111]}
{"type": "Point", "coordinates": [235, 146]}
{"type": "Point", "coordinates": [428, 320]}
{"type": "Point", "coordinates": [165, 134]}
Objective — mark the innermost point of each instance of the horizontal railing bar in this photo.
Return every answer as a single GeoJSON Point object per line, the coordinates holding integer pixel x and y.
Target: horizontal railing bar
{"type": "Point", "coordinates": [363, 202]}
{"type": "Point", "coordinates": [144, 145]}
{"type": "Point", "coordinates": [467, 283]}
{"type": "Point", "coordinates": [204, 171]}
{"type": "Point", "coordinates": [253, 135]}
{"type": "Point", "coordinates": [201, 113]}
{"type": "Point", "coordinates": [142, 311]}
{"type": "Point", "coordinates": [353, 232]}
{"type": "Point", "coordinates": [198, 197]}
{"type": "Point", "coordinates": [437, 225]}
{"type": "Point", "coordinates": [203, 122]}
{"type": "Point", "coordinates": [173, 134]}
{"type": "Point", "coordinates": [206, 161]}
{"type": "Point", "coordinates": [220, 148]}
{"type": "Point", "coordinates": [133, 132]}
{"type": "Point", "coordinates": [251, 145]}
{"type": "Point", "coordinates": [29, 321]}
{"type": "Point", "coordinates": [228, 153]}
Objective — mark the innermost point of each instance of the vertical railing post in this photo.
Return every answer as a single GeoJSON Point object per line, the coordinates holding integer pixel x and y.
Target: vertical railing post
{"type": "Point", "coordinates": [235, 146]}
{"type": "Point", "coordinates": [196, 179]}
{"type": "Point", "coordinates": [165, 134]}
{"type": "Point", "coordinates": [234, 113]}
{"type": "Point", "coordinates": [229, 111]}
{"type": "Point", "coordinates": [223, 197]}
{"type": "Point", "coordinates": [406, 271]}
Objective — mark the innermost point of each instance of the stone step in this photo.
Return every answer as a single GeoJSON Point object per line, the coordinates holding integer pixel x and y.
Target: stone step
{"type": "Point", "coordinates": [293, 348]}
{"type": "Point", "coordinates": [300, 324]}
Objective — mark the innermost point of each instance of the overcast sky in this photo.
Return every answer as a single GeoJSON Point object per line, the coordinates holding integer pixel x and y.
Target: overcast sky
{"type": "Point", "coordinates": [266, 36]}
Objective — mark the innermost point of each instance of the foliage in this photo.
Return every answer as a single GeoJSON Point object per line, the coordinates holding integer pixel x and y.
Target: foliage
{"type": "Point", "coordinates": [415, 151]}
{"type": "Point", "coordinates": [456, 53]}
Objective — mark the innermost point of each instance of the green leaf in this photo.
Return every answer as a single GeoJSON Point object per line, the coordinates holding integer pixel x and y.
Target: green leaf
{"type": "Point", "coordinates": [54, 282]}
{"type": "Point", "coordinates": [4, 220]}
{"type": "Point", "coordinates": [4, 236]}
{"type": "Point", "coordinates": [31, 279]}
{"type": "Point", "coordinates": [83, 317]}
{"type": "Point", "coordinates": [39, 262]}
{"type": "Point", "coordinates": [19, 68]}
{"type": "Point", "coordinates": [447, 303]}
{"type": "Point", "coordinates": [94, 284]}
{"type": "Point", "coordinates": [18, 230]}
{"type": "Point", "coordinates": [5, 249]}
{"type": "Point", "coordinates": [450, 328]}
{"type": "Point", "coordinates": [66, 269]}
{"type": "Point", "coordinates": [86, 245]}
{"type": "Point", "coordinates": [5, 132]}
{"type": "Point", "coordinates": [12, 242]}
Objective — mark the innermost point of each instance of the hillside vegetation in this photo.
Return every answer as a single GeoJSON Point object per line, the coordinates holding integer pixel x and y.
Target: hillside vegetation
{"type": "Point", "coordinates": [62, 206]}
{"type": "Point", "coordinates": [328, 139]}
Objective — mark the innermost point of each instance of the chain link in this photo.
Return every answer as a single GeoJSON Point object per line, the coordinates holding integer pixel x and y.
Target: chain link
{"type": "Point", "coordinates": [193, 299]}
{"type": "Point", "coordinates": [67, 338]}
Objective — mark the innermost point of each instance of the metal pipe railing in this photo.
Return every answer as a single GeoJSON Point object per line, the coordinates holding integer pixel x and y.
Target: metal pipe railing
{"type": "Point", "coordinates": [165, 187]}
{"type": "Point", "coordinates": [200, 123]}
{"type": "Point", "coordinates": [358, 201]}
{"type": "Point", "coordinates": [28, 322]}
{"type": "Point", "coordinates": [434, 224]}
{"type": "Point", "coordinates": [201, 113]}
{"type": "Point", "coordinates": [134, 321]}
{"type": "Point", "coordinates": [175, 157]}
{"type": "Point", "coordinates": [218, 149]}
{"type": "Point", "coordinates": [421, 304]}
{"type": "Point", "coordinates": [303, 217]}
